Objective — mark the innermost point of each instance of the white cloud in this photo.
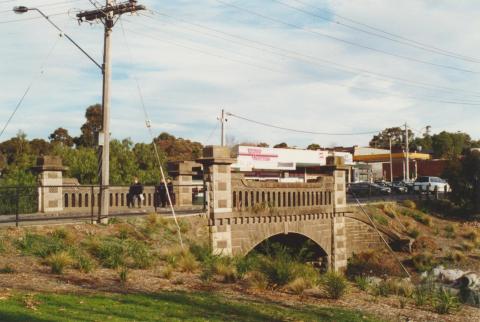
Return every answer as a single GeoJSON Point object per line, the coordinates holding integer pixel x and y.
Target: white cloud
{"type": "Point", "coordinates": [187, 77]}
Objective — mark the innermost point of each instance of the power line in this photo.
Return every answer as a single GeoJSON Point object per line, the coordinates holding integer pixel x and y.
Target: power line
{"type": "Point", "coordinates": [33, 18]}
{"type": "Point", "coordinates": [299, 131]}
{"type": "Point", "coordinates": [317, 33]}
{"type": "Point", "coordinates": [310, 59]}
{"type": "Point", "coordinates": [149, 127]}
{"type": "Point", "coordinates": [20, 102]}
{"type": "Point", "coordinates": [422, 44]}
{"type": "Point", "coordinates": [401, 40]}
{"type": "Point", "coordinates": [454, 102]}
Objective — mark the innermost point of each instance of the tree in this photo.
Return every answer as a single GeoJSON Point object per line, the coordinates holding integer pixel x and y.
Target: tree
{"type": "Point", "coordinates": [450, 145]}
{"type": "Point", "coordinates": [92, 126]}
{"type": "Point", "coordinates": [263, 145]}
{"type": "Point", "coordinates": [381, 140]}
{"type": "Point", "coordinates": [178, 149]}
{"type": "Point", "coordinates": [463, 175]}
{"type": "Point", "coordinates": [61, 136]}
{"type": "Point", "coordinates": [423, 144]}
{"type": "Point", "coordinates": [39, 147]}
{"type": "Point", "coordinates": [282, 145]}
{"type": "Point", "coordinates": [313, 146]}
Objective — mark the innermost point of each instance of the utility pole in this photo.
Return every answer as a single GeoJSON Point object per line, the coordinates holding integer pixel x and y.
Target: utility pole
{"type": "Point", "coordinates": [407, 154]}
{"type": "Point", "coordinates": [107, 15]}
{"type": "Point", "coordinates": [223, 120]}
{"type": "Point", "coordinates": [391, 163]}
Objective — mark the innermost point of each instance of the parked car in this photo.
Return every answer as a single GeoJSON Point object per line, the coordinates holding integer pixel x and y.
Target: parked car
{"type": "Point", "coordinates": [367, 188]}
{"type": "Point", "coordinates": [430, 184]}
{"type": "Point", "coordinates": [395, 187]}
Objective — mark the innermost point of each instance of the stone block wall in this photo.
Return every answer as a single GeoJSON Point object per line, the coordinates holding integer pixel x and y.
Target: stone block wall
{"type": "Point", "coordinates": [361, 237]}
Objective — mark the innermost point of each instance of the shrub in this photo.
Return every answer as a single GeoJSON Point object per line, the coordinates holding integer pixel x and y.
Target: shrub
{"type": "Point", "coordinates": [450, 231]}
{"type": "Point", "coordinates": [245, 264]}
{"type": "Point", "coordinates": [334, 284]}
{"type": "Point", "coordinates": [455, 257]}
{"type": "Point", "coordinates": [227, 271]}
{"type": "Point", "coordinates": [63, 234]}
{"type": "Point", "coordinates": [424, 262]}
{"type": "Point", "coordinates": [58, 262]}
{"type": "Point", "coordinates": [414, 233]}
{"type": "Point", "coordinates": [471, 236]}
{"type": "Point", "coordinates": [298, 285]}
{"type": "Point", "coordinates": [409, 204]}
{"type": "Point", "coordinates": [110, 252]}
{"type": "Point", "coordinates": [393, 287]}
{"type": "Point", "coordinates": [380, 219]}
{"type": "Point", "coordinates": [420, 295]}
{"type": "Point", "coordinates": [467, 246]}
{"type": "Point", "coordinates": [7, 269]}
{"type": "Point", "coordinates": [82, 261]}
{"type": "Point", "coordinates": [187, 262]}
{"type": "Point", "coordinates": [140, 254]}
{"type": "Point", "coordinates": [372, 264]}
{"type": "Point", "coordinates": [444, 301]}
{"type": "Point", "coordinates": [166, 272]}
{"type": "Point", "coordinates": [202, 252]}
{"type": "Point", "coordinates": [257, 280]}
{"type": "Point", "coordinates": [278, 270]}
{"type": "Point", "coordinates": [39, 245]}
{"type": "Point", "coordinates": [123, 274]}
{"type": "Point", "coordinates": [362, 282]}
{"type": "Point", "coordinates": [424, 243]}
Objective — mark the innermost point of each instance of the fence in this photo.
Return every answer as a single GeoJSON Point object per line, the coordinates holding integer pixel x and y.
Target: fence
{"type": "Point", "coordinates": [63, 202]}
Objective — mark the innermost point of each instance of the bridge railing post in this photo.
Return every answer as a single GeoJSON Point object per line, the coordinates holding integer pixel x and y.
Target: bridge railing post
{"type": "Point", "coordinates": [216, 163]}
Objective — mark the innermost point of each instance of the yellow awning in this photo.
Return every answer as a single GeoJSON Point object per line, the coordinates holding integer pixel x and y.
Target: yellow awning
{"type": "Point", "coordinates": [386, 157]}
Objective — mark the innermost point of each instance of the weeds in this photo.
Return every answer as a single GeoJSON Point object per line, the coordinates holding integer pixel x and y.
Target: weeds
{"type": "Point", "coordinates": [450, 231]}
{"type": "Point", "coordinates": [39, 245]}
{"type": "Point", "coordinates": [444, 301]}
{"type": "Point", "coordinates": [166, 272]}
{"type": "Point", "coordinates": [414, 233]}
{"type": "Point", "coordinates": [424, 262]}
{"type": "Point", "coordinates": [409, 204]}
{"type": "Point", "coordinates": [372, 264]}
{"type": "Point", "coordinates": [362, 282]}
{"type": "Point", "coordinates": [58, 262]}
{"type": "Point", "coordinates": [298, 285]}
{"type": "Point", "coordinates": [123, 274]}
{"type": "Point", "coordinates": [334, 284]}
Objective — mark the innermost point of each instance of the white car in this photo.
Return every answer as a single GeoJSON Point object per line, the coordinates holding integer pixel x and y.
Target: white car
{"type": "Point", "coordinates": [430, 184]}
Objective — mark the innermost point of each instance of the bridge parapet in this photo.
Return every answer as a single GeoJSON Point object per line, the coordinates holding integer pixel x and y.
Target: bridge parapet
{"type": "Point", "coordinates": [256, 197]}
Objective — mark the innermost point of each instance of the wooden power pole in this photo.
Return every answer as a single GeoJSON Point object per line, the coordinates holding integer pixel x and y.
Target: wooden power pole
{"type": "Point", "coordinates": [108, 15]}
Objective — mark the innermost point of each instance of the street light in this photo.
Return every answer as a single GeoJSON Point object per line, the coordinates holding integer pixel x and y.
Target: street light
{"type": "Point", "coordinates": [22, 9]}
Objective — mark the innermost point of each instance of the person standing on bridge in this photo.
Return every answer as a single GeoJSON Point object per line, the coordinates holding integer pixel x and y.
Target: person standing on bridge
{"type": "Point", "coordinates": [136, 193]}
{"type": "Point", "coordinates": [171, 191]}
{"type": "Point", "coordinates": [162, 195]}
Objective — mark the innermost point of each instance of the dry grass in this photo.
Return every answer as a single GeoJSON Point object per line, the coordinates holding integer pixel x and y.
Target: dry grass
{"type": "Point", "coordinates": [298, 286]}
{"type": "Point", "coordinates": [59, 261]}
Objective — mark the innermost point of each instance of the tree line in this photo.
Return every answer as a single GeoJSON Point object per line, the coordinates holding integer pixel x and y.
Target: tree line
{"type": "Point", "coordinates": [80, 154]}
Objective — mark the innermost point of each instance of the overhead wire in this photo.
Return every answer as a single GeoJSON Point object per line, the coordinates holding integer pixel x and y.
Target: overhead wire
{"type": "Point", "coordinates": [371, 33]}
{"type": "Point", "coordinates": [149, 127]}
{"type": "Point", "coordinates": [352, 43]}
{"type": "Point", "coordinates": [29, 87]}
{"type": "Point", "coordinates": [309, 59]}
{"type": "Point", "coordinates": [422, 44]}
{"type": "Point", "coordinates": [300, 131]}
{"type": "Point", "coordinates": [348, 86]}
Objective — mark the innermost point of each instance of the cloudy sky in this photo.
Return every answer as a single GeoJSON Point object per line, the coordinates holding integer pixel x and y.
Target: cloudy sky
{"type": "Point", "coordinates": [337, 66]}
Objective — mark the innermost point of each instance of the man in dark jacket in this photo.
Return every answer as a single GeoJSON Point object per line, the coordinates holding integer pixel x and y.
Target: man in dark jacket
{"type": "Point", "coordinates": [161, 195]}
{"type": "Point", "coordinates": [136, 193]}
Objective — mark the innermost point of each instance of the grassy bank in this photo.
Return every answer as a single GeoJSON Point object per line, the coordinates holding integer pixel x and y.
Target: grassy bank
{"type": "Point", "coordinates": [166, 306]}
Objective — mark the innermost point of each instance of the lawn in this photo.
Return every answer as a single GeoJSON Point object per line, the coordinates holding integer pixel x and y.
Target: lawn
{"type": "Point", "coordinates": [166, 306]}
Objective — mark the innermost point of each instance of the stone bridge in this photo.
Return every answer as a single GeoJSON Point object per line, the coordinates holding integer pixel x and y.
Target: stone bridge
{"type": "Point", "coordinates": [244, 213]}
{"type": "Point", "coordinates": [241, 213]}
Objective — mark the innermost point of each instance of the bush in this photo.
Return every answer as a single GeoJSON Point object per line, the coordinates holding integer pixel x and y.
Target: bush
{"type": "Point", "coordinates": [362, 282]}
{"type": "Point", "coordinates": [424, 262]}
{"type": "Point", "coordinates": [414, 233]}
{"type": "Point", "coordinates": [455, 257]}
{"type": "Point", "coordinates": [187, 262]}
{"type": "Point", "coordinates": [409, 204]}
{"type": "Point", "coordinates": [420, 295]}
{"type": "Point", "coordinates": [450, 231]}
{"type": "Point", "coordinates": [424, 243]}
{"type": "Point", "coordinates": [123, 274]}
{"type": "Point", "coordinates": [140, 254]}
{"type": "Point", "coordinates": [256, 280]}
{"type": "Point", "coordinates": [334, 284]}
{"type": "Point", "coordinates": [471, 236]}
{"type": "Point", "coordinates": [372, 264]}
{"type": "Point", "coordinates": [278, 270]}
{"type": "Point", "coordinates": [393, 287]}
{"type": "Point", "coordinates": [298, 285]}
{"type": "Point", "coordinates": [380, 219]}
{"type": "Point", "coordinates": [58, 262]}
{"type": "Point", "coordinates": [39, 245]}
{"type": "Point", "coordinates": [444, 301]}
{"type": "Point", "coordinates": [110, 252]}
{"type": "Point", "coordinates": [226, 270]}
{"type": "Point", "coordinates": [82, 261]}
{"type": "Point", "coordinates": [7, 269]}
{"type": "Point", "coordinates": [166, 272]}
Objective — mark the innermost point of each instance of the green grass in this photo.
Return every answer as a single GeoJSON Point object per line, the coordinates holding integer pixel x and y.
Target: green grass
{"type": "Point", "coordinates": [167, 306]}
